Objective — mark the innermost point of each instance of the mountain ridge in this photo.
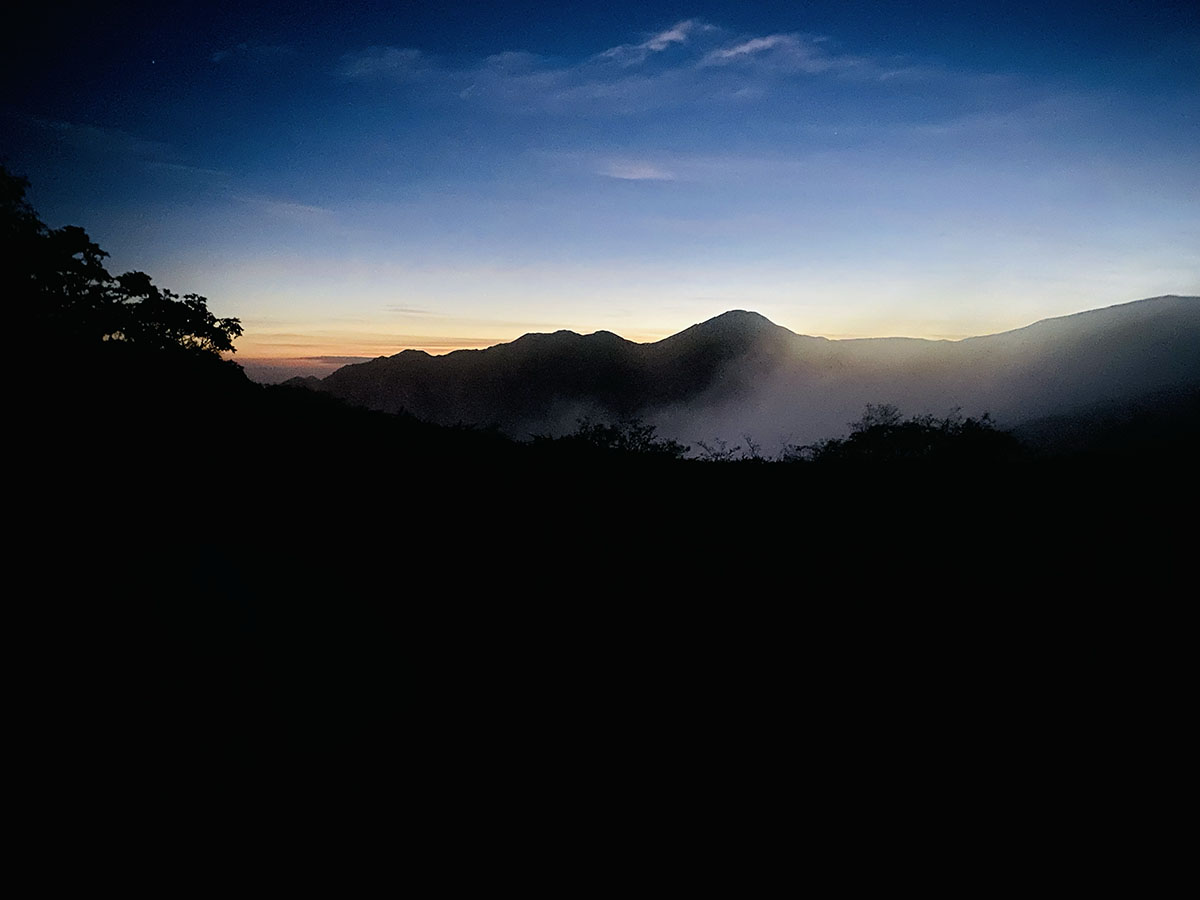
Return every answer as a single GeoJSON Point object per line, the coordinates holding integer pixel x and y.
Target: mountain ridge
{"type": "Point", "coordinates": [740, 372]}
{"type": "Point", "coordinates": [720, 317]}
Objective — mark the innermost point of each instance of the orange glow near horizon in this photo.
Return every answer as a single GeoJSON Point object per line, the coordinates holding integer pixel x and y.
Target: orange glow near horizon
{"type": "Point", "coordinates": [309, 349]}
{"type": "Point", "coordinates": [295, 346]}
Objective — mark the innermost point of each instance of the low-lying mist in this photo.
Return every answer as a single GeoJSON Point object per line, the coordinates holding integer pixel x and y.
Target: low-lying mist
{"type": "Point", "coordinates": [740, 376]}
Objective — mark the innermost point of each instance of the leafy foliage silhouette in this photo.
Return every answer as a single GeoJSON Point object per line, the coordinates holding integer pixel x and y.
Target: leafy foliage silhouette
{"type": "Point", "coordinates": [882, 435]}
{"type": "Point", "coordinates": [58, 276]}
{"type": "Point", "coordinates": [631, 437]}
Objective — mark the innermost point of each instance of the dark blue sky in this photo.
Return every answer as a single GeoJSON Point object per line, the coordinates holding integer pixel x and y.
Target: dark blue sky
{"type": "Point", "coordinates": [355, 179]}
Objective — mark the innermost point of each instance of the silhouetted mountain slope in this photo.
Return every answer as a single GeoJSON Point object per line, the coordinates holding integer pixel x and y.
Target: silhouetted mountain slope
{"type": "Point", "coordinates": [266, 574]}
{"type": "Point", "coordinates": [544, 382]}
{"type": "Point", "coordinates": [225, 579]}
{"type": "Point", "coordinates": [1122, 351]}
{"type": "Point", "coordinates": [740, 373]}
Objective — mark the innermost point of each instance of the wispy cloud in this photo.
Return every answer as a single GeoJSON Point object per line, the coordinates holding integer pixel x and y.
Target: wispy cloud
{"type": "Point", "coordinates": [636, 171]}
{"type": "Point", "coordinates": [335, 360]}
{"type": "Point", "coordinates": [677, 34]}
{"type": "Point", "coordinates": [804, 54]}
{"type": "Point", "coordinates": [375, 62]}
{"type": "Point", "coordinates": [191, 170]}
{"type": "Point", "coordinates": [163, 158]}
{"type": "Point", "coordinates": [153, 155]}
{"type": "Point", "coordinates": [286, 210]}
{"type": "Point", "coordinates": [632, 54]}
{"type": "Point", "coordinates": [705, 64]}
{"type": "Point", "coordinates": [201, 174]}
{"type": "Point", "coordinates": [750, 47]}
{"type": "Point", "coordinates": [108, 140]}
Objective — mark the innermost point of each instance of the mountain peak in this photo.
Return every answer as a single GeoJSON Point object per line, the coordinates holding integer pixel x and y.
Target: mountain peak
{"type": "Point", "coordinates": [543, 339]}
{"type": "Point", "coordinates": [740, 321]}
{"type": "Point", "coordinates": [737, 320]}
{"type": "Point", "coordinates": [740, 373]}
{"type": "Point", "coordinates": [566, 340]}
{"type": "Point", "coordinates": [740, 315]}
{"type": "Point", "coordinates": [733, 328]}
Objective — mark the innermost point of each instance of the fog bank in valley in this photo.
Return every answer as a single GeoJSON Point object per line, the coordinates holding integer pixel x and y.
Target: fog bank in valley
{"type": "Point", "coordinates": [741, 375]}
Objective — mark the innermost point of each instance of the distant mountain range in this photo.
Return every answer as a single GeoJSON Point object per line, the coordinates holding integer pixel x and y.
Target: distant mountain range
{"type": "Point", "coordinates": [740, 373]}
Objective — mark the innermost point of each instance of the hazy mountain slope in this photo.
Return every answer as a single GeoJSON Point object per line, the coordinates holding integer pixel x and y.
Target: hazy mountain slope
{"type": "Point", "coordinates": [1115, 354]}
{"type": "Point", "coordinates": [740, 373]}
{"type": "Point", "coordinates": [1106, 354]}
{"type": "Point", "coordinates": [544, 382]}
{"type": "Point", "coordinates": [524, 385]}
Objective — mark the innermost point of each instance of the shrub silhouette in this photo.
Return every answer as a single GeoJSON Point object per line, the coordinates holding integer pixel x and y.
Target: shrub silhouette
{"type": "Point", "coordinates": [718, 451]}
{"type": "Point", "coordinates": [628, 438]}
{"type": "Point", "coordinates": [883, 436]}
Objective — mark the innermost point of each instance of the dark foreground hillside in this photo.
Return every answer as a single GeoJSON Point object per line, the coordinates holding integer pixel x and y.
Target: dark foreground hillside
{"type": "Point", "coordinates": [231, 600]}
{"type": "Point", "coordinates": [259, 575]}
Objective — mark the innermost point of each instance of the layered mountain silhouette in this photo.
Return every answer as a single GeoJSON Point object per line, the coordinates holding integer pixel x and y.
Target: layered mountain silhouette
{"type": "Point", "coordinates": [740, 373]}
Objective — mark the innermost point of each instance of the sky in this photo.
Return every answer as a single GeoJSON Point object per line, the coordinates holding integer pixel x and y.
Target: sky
{"type": "Point", "coordinates": [355, 179]}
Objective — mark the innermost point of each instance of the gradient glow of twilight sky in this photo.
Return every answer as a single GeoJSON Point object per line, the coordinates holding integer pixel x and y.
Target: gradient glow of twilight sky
{"type": "Point", "coordinates": [355, 179]}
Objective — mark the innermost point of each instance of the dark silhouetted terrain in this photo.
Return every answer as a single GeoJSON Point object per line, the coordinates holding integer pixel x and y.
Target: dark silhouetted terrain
{"type": "Point", "coordinates": [221, 578]}
{"type": "Point", "coordinates": [740, 374]}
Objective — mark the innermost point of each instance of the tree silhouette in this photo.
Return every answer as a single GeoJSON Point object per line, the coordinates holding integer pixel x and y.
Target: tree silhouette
{"type": "Point", "coordinates": [629, 437]}
{"type": "Point", "coordinates": [883, 436]}
{"type": "Point", "coordinates": [57, 278]}
{"type": "Point", "coordinates": [718, 451]}
{"type": "Point", "coordinates": [160, 319]}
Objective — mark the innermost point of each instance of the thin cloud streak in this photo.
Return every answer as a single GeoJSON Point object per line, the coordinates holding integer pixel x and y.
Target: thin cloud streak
{"type": "Point", "coordinates": [766, 166]}
{"type": "Point", "coordinates": [810, 55]}
{"type": "Point", "coordinates": [287, 210]}
{"type": "Point", "coordinates": [634, 54]}
{"type": "Point", "coordinates": [373, 62]}
{"type": "Point", "coordinates": [636, 171]}
{"type": "Point", "coordinates": [112, 141]}
{"type": "Point", "coordinates": [704, 66]}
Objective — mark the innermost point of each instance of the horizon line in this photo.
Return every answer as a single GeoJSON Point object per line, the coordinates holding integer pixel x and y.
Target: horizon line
{"type": "Point", "coordinates": [327, 352]}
